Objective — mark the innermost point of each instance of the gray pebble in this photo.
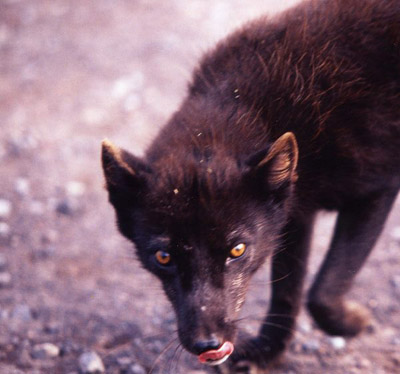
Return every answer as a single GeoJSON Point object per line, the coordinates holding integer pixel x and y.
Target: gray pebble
{"type": "Point", "coordinates": [311, 346]}
{"type": "Point", "coordinates": [124, 361]}
{"type": "Point", "coordinates": [90, 362]}
{"type": "Point", "coordinates": [5, 208]}
{"type": "Point", "coordinates": [22, 186]}
{"type": "Point", "coordinates": [337, 342]}
{"type": "Point", "coordinates": [45, 350]}
{"type": "Point", "coordinates": [68, 207]}
{"type": "Point", "coordinates": [395, 281]}
{"type": "Point", "coordinates": [51, 328]}
{"type": "Point", "coordinates": [127, 84]}
{"type": "Point", "coordinates": [395, 233]}
{"type": "Point", "coordinates": [75, 188]}
{"type": "Point", "coordinates": [304, 327]}
{"type": "Point", "coordinates": [43, 253]}
{"type": "Point", "coordinates": [22, 312]}
{"type": "Point", "coordinates": [4, 230]}
{"type": "Point", "coordinates": [5, 279]}
{"type": "Point", "coordinates": [137, 369]}
{"type": "Point", "coordinates": [21, 144]}
{"type": "Point", "coordinates": [396, 359]}
{"type": "Point", "coordinates": [157, 346]}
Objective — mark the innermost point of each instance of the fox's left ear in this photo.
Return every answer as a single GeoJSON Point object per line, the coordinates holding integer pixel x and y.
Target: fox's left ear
{"type": "Point", "coordinates": [126, 182]}
{"type": "Point", "coordinates": [277, 165]}
{"type": "Point", "coordinates": [124, 174]}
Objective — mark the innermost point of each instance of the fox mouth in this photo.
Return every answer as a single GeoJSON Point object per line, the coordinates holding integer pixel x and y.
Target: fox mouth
{"type": "Point", "coordinates": [216, 356]}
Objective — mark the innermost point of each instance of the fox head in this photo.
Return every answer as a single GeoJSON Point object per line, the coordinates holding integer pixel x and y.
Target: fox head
{"type": "Point", "coordinates": [203, 224]}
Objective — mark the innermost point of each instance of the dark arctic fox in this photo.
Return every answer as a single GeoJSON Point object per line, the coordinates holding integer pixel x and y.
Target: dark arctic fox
{"type": "Point", "coordinates": [285, 117]}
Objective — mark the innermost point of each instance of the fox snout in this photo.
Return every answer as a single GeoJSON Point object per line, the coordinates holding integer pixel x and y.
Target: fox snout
{"type": "Point", "coordinates": [206, 328]}
{"type": "Point", "coordinates": [207, 338]}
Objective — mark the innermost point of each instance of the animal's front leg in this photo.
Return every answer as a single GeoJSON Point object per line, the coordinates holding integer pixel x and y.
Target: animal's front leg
{"type": "Point", "coordinates": [357, 229]}
{"type": "Point", "coordinates": [289, 264]}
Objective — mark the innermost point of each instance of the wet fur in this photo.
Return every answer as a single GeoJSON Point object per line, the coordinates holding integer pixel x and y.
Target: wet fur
{"type": "Point", "coordinates": [227, 168]}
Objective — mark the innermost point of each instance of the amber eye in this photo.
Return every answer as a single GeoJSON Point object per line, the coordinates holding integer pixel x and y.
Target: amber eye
{"type": "Point", "coordinates": [238, 250]}
{"type": "Point", "coordinates": [163, 258]}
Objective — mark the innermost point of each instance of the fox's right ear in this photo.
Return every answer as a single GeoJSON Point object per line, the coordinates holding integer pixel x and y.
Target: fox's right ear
{"type": "Point", "coordinates": [124, 174]}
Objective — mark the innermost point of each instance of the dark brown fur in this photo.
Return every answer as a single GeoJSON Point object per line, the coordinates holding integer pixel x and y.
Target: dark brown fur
{"type": "Point", "coordinates": [227, 167]}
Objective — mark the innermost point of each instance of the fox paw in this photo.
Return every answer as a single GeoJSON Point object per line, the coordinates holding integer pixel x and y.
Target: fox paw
{"type": "Point", "coordinates": [345, 318]}
{"type": "Point", "coordinates": [251, 356]}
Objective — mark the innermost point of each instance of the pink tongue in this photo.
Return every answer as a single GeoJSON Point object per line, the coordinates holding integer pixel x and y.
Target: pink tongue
{"type": "Point", "coordinates": [216, 354]}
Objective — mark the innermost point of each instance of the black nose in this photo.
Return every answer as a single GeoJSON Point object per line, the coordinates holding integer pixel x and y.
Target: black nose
{"type": "Point", "coordinates": [205, 345]}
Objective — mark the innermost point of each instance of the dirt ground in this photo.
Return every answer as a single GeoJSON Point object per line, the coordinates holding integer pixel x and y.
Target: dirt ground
{"type": "Point", "coordinates": [71, 73]}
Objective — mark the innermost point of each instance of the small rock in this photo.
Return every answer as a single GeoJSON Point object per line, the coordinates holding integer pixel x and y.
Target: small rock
{"type": "Point", "coordinates": [127, 84]}
{"type": "Point", "coordinates": [45, 350]}
{"type": "Point", "coordinates": [389, 333]}
{"type": "Point", "coordinates": [90, 362]}
{"type": "Point", "coordinates": [396, 359]}
{"type": "Point", "coordinates": [5, 279]}
{"type": "Point", "coordinates": [5, 208]}
{"type": "Point", "coordinates": [22, 312]}
{"type": "Point", "coordinates": [4, 230]}
{"type": "Point", "coordinates": [395, 281]}
{"type": "Point", "coordinates": [51, 328]}
{"type": "Point", "coordinates": [136, 369]}
{"type": "Point", "coordinates": [124, 361]}
{"type": "Point", "coordinates": [22, 186]}
{"type": "Point", "coordinates": [75, 188]}
{"type": "Point", "coordinates": [337, 342]}
{"type": "Point", "coordinates": [395, 233]}
{"type": "Point", "coordinates": [157, 346]}
{"type": "Point", "coordinates": [20, 144]}
{"type": "Point", "coordinates": [311, 346]}
{"type": "Point", "coordinates": [67, 207]}
{"type": "Point", "coordinates": [43, 254]}
{"type": "Point", "coordinates": [304, 327]}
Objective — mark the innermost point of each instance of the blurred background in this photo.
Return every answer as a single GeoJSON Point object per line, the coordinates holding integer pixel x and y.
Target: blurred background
{"type": "Point", "coordinates": [72, 296]}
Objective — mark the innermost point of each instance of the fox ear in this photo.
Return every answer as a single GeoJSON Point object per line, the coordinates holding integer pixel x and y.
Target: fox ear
{"type": "Point", "coordinates": [278, 164]}
{"type": "Point", "coordinates": [124, 173]}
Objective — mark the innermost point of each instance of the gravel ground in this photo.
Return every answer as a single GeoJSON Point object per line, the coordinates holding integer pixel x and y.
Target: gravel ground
{"type": "Point", "coordinates": [72, 296]}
